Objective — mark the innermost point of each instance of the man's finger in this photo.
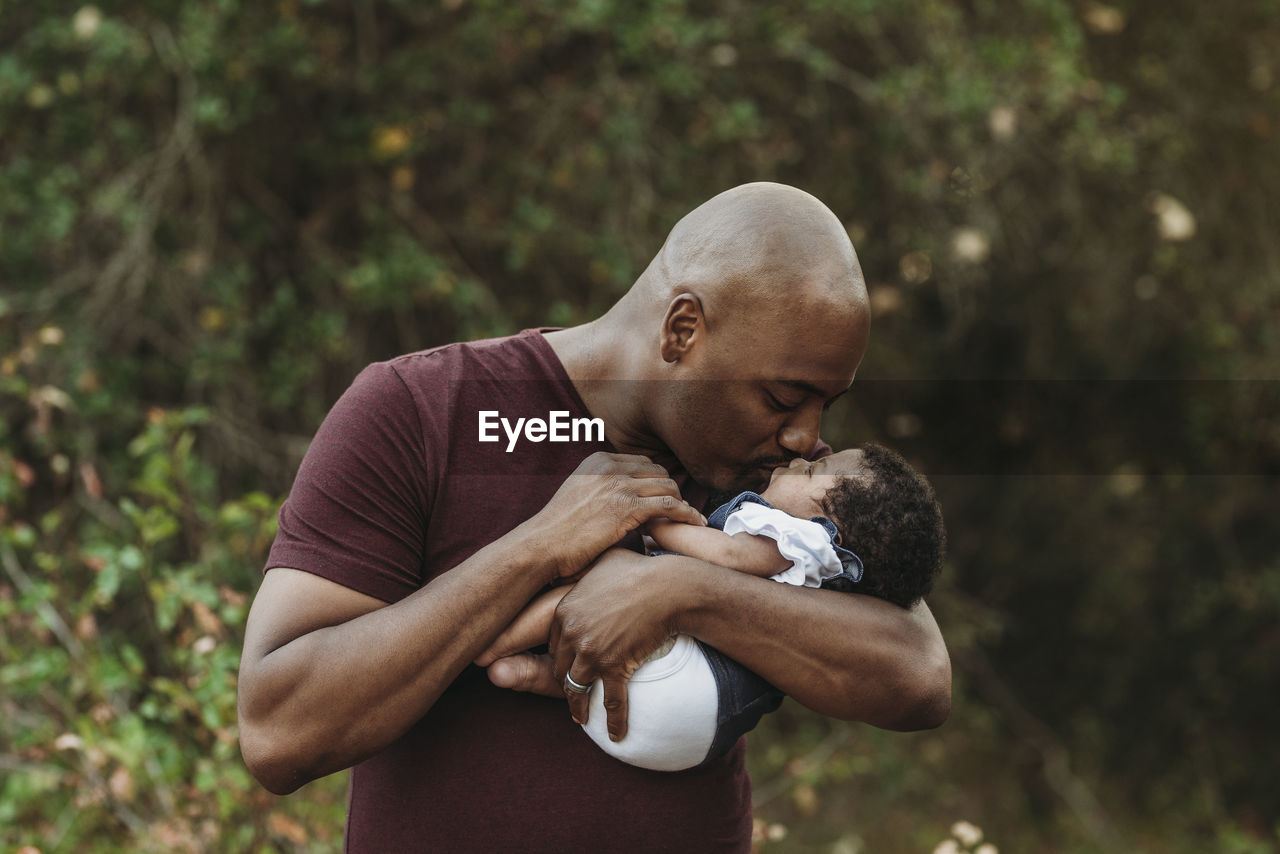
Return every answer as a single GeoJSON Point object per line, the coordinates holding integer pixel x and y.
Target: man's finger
{"type": "Point", "coordinates": [672, 508]}
{"type": "Point", "coordinates": [579, 701]}
{"type": "Point", "coordinates": [646, 468]}
{"type": "Point", "coordinates": [526, 672]}
{"type": "Point", "coordinates": [615, 707]}
{"type": "Point", "coordinates": [655, 486]}
{"type": "Point", "coordinates": [562, 654]}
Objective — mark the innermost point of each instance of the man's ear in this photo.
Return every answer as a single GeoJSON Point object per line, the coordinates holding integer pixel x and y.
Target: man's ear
{"type": "Point", "coordinates": [683, 327]}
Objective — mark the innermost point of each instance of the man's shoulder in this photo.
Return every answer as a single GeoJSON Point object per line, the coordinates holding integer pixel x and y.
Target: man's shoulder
{"type": "Point", "coordinates": [525, 354]}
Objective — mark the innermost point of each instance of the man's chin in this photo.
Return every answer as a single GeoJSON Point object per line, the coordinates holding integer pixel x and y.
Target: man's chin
{"type": "Point", "coordinates": [733, 479]}
{"type": "Point", "coordinates": [754, 479]}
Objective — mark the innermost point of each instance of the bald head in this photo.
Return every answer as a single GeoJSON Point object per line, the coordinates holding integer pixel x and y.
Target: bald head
{"type": "Point", "coordinates": [751, 319]}
{"type": "Point", "coordinates": [757, 243]}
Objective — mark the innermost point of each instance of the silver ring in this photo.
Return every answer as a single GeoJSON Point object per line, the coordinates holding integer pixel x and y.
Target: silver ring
{"type": "Point", "coordinates": [573, 687]}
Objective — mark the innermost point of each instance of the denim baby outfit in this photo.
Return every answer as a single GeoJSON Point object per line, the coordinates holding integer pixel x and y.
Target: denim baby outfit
{"type": "Point", "coordinates": [731, 694]}
{"type": "Point", "coordinates": [744, 696]}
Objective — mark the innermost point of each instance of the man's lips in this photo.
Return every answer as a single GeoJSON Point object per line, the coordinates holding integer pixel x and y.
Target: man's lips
{"type": "Point", "coordinates": [770, 468]}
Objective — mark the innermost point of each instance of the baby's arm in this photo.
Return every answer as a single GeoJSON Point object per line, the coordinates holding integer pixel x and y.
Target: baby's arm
{"type": "Point", "coordinates": [531, 627]}
{"type": "Point", "coordinates": [751, 553]}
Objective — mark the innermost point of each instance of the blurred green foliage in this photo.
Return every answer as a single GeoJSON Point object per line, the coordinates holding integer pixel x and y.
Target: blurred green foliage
{"type": "Point", "coordinates": [213, 213]}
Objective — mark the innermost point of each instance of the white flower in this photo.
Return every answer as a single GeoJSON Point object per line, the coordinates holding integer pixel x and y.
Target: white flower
{"type": "Point", "coordinates": [68, 741]}
{"type": "Point", "coordinates": [967, 833]}
{"type": "Point", "coordinates": [724, 55]}
{"type": "Point", "coordinates": [1103, 20]}
{"type": "Point", "coordinates": [970, 245]}
{"type": "Point", "coordinates": [50, 336]}
{"type": "Point", "coordinates": [1173, 220]}
{"type": "Point", "coordinates": [85, 22]}
{"type": "Point", "coordinates": [1002, 122]}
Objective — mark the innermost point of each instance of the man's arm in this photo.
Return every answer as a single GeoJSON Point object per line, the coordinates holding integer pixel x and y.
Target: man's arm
{"type": "Point", "coordinates": [330, 676]}
{"type": "Point", "coordinates": [844, 655]}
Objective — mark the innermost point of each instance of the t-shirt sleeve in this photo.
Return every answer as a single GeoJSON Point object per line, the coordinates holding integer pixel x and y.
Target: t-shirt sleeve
{"type": "Point", "coordinates": [358, 510]}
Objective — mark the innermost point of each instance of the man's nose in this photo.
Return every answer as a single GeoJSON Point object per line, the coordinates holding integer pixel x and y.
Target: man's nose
{"type": "Point", "coordinates": [800, 433]}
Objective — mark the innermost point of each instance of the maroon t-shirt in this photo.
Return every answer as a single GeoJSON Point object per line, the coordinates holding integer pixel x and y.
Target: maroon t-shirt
{"type": "Point", "coordinates": [396, 489]}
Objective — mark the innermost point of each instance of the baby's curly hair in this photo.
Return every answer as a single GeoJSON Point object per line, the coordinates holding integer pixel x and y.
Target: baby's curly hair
{"type": "Point", "coordinates": [891, 519]}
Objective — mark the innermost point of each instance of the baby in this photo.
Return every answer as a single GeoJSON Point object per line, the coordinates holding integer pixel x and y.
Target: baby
{"type": "Point", "coordinates": [859, 521]}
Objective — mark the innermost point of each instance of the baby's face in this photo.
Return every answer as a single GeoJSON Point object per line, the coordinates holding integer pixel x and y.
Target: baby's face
{"type": "Point", "coordinates": [799, 488]}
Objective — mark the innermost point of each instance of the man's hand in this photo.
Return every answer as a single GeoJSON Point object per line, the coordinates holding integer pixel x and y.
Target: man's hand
{"type": "Point", "coordinates": [605, 628]}
{"type": "Point", "coordinates": [607, 497]}
{"type": "Point", "coordinates": [621, 633]}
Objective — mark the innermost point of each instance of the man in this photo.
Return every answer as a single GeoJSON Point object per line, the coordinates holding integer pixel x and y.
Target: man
{"type": "Point", "coordinates": [407, 545]}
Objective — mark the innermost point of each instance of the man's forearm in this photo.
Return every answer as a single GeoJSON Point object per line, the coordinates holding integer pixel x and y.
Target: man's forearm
{"type": "Point", "coordinates": [848, 656]}
{"type": "Point", "coordinates": [338, 694]}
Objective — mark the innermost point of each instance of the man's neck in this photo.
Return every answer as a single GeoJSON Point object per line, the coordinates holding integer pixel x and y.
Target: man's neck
{"type": "Point", "coordinates": [609, 378]}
